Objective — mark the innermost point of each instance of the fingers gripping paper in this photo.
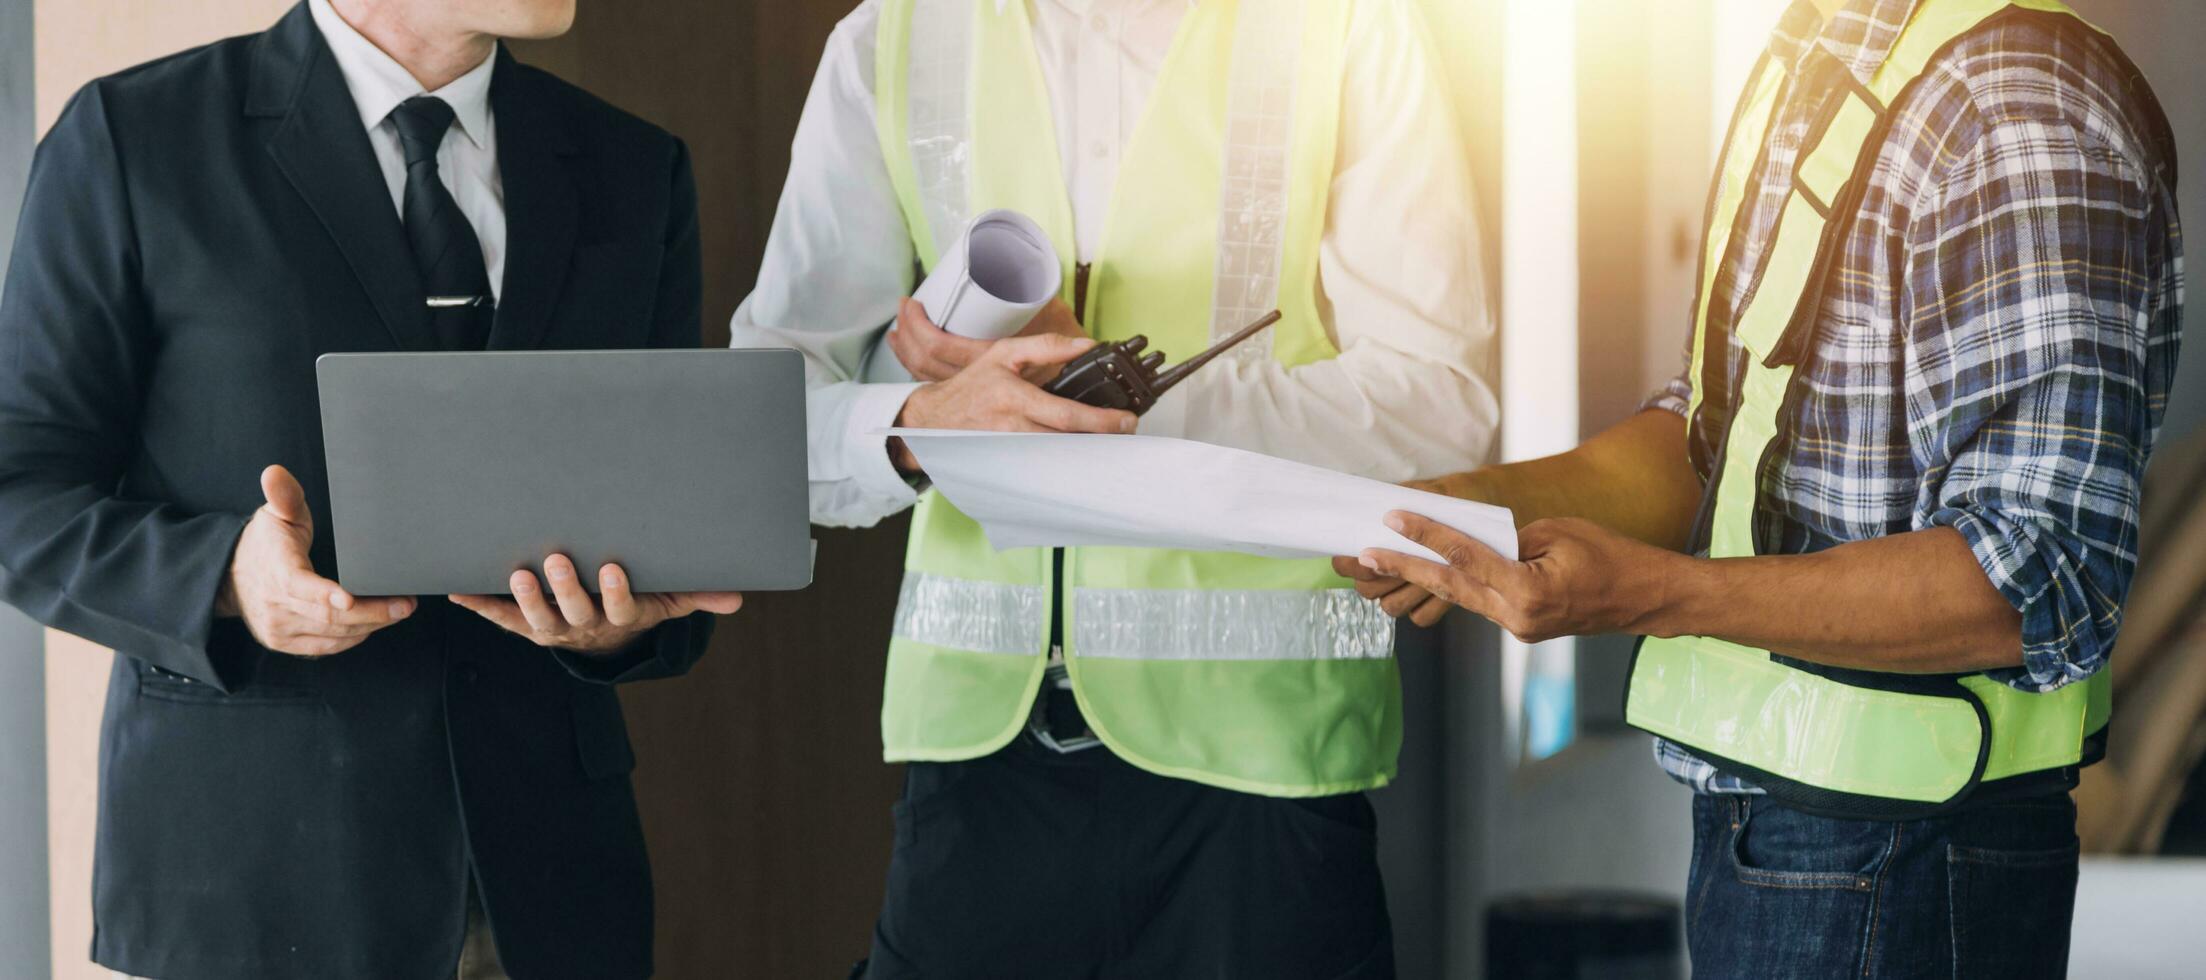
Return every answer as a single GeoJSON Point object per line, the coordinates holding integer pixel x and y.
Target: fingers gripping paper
{"type": "Point", "coordinates": [1063, 490]}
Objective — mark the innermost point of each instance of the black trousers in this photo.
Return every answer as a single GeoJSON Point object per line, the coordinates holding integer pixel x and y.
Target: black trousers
{"type": "Point", "coordinates": [1039, 866]}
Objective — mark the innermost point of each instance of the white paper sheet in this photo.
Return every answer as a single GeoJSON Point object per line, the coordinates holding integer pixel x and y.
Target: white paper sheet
{"type": "Point", "coordinates": [1063, 490]}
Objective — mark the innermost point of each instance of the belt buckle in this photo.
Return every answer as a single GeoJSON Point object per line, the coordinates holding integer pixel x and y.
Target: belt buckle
{"type": "Point", "coordinates": [1037, 718]}
{"type": "Point", "coordinates": [1065, 747]}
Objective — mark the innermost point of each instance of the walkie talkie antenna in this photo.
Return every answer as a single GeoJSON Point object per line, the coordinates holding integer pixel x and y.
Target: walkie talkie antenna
{"type": "Point", "coordinates": [1180, 372]}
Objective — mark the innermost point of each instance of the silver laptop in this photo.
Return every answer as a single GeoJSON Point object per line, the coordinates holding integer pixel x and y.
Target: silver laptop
{"type": "Point", "coordinates": [448, 471]}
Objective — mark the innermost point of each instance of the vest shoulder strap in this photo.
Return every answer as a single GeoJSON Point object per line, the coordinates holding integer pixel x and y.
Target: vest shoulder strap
{"type": "Point", "coordinates": [920, 52]}
{"type": "Point", "coordinates": [1777, 325]}
{"type": "Point", "coordinates": [1831, 172]}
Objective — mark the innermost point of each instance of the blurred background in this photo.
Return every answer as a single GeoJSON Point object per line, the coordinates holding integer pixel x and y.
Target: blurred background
{"type": "Point", "coordinates": [1592, 125]}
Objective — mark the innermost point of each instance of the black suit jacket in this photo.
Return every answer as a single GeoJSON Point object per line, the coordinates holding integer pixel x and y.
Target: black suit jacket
{"type": "Point", "coordinates": [197, 231]}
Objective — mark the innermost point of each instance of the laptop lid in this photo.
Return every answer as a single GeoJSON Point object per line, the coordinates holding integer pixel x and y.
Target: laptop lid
{"type": "Point", "coordinates": [448, 471]}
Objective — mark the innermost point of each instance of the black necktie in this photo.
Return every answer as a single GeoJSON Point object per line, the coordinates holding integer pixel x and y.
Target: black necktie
{"type": "Point", "coordinates": [456, 284]}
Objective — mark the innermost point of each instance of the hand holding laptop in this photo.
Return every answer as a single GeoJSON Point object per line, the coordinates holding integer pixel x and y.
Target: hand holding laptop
{"type": "Point", "coordinates": [273, 587]}
{"type": "Point", "coordinates": [290, 609]}
{"type": "Point", "coordinates": [573, 620]}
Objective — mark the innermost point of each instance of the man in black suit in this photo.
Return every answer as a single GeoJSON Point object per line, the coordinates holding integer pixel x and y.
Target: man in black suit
{"type": "Point", "coordinates": [295, 781]}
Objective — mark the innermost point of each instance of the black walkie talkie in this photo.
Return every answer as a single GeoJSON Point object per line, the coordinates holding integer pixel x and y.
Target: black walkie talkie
{"type": "Point", "coordinates": [1119, 375]}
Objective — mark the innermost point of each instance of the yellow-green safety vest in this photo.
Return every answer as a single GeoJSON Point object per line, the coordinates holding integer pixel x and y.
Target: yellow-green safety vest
{"type": "Point", "coordinates": [1838, 742]}
{"type": "Point", "coordinates": [1258, 675]}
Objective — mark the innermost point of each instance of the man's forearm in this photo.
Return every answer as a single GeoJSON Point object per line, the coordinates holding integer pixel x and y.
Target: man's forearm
{"type": "Point", "coordinates": [1634, 478]}
{"type": "Point", "coordinates": [1912, 603]}
{"type": "Point", "coordinates": [1916, 602]}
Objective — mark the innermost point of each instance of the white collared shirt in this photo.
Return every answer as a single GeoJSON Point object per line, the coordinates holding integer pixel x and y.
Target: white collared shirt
{"type": "Point", "coordinates": [467, 161]}
{"type": "Point", "coordinates": [1398, 264]}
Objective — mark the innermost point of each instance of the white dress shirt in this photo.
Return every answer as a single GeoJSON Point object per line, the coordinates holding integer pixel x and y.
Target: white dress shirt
{"type": "Point", "coordinates": [1398, 265]}
{"type": "Point", "coordinates": [467, 161]}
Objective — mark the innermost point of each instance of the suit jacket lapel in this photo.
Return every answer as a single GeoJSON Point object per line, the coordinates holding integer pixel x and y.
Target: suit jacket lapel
{"type": "Point", "coordinates": [535, 151]}
{"type": "Point", "coordinates": [320, 146]}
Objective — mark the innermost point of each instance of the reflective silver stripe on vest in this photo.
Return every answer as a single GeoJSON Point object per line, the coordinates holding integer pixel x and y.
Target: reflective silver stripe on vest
{"type": "Point", "coordinates": [1256, 624]}
{"type": "Point", "coordinates": [1252, 213]}
{"type": "Point", "coordinates": [963, 614]}
{"type": "Point", "coordinates": [938, 113]}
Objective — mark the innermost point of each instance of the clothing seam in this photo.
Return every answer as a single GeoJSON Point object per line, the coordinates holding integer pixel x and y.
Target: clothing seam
{"type": "Point", "coordinates": [1954, 902]}
{"type": "Point", "coordinates": [1700, 896]}
{"type": "Point", "coordinates": [1876, 899]}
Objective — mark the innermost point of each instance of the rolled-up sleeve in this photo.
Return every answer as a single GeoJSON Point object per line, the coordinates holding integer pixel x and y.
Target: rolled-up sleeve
{"type": "Point", "coordinates": [1676, 395]}
{"type": "Point", "coordinates": [2032, 387]}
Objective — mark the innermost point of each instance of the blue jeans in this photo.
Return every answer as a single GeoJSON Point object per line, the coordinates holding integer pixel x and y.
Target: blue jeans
{"type": "Point", "coordinates": [1779, 893]}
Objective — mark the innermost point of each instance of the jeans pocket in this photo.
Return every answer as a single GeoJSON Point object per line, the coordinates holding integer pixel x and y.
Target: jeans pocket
{"type": "Point", "coordinates": [1775, 847]}
{"type": "Point", "coordinates": [2010, 910]}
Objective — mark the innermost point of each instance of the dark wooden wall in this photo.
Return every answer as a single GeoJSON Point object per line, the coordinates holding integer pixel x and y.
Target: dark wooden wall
{"type": "Point", "coordinates": [761, 782]}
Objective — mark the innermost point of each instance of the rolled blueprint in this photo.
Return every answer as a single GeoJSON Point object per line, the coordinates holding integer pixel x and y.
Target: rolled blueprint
{"type": "Point", "coordinates": [1000, 272]}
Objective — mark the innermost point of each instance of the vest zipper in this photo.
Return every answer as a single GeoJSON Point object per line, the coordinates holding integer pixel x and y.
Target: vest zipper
{"type": "Point", "coordinates": [1056, 599]}
{"type": "Point", "coordinates": [1080, 271]}
{"type": "Point", "coordinates": [1080, 291]}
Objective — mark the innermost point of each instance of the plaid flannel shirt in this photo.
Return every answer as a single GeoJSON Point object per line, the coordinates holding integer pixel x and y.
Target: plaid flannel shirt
{"type": "Point", "coordinates": [1994, 352]}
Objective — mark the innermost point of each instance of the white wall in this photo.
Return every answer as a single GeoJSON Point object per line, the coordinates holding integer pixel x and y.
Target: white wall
{"type": "Point", "coordinates": [2164, 38]}
{"type": "Point", "coordinates": [2137, 919]}
{"type": "Point", "coordinates": [23, 950]}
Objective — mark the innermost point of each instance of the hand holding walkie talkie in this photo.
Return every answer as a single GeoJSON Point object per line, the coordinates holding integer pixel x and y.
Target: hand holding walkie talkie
{"type": "Point", "coordinates": [1123, 374]}
{"type": "Point", "coordinates": [1118, 376]}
